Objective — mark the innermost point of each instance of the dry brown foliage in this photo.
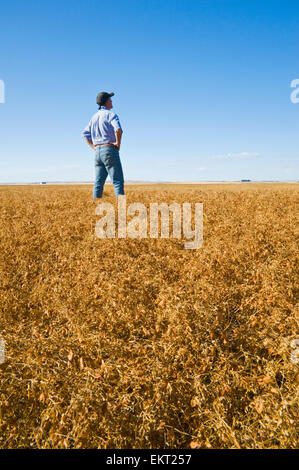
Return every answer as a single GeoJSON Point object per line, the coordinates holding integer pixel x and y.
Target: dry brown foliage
{"type": "Point", "coordinates": [141, 343]}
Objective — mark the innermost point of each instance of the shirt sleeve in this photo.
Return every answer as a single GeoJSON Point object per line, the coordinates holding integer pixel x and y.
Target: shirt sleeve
{"type": "Point", "coordinates": [115, 122]}
{"type": "Point", "coordinates": [87, 131]}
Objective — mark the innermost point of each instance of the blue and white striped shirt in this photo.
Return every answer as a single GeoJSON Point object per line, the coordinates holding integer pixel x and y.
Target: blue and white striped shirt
{"type": "Point", "coordinates": [102, 126]}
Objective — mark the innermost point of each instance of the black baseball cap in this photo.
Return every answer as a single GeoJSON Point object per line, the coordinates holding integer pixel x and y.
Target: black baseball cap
{"type": "Point", "coordinates": [103, 97]}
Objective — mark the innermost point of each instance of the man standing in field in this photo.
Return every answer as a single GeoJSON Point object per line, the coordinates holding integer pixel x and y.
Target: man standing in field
{"type": "Point", "coordinates": [103, 134]}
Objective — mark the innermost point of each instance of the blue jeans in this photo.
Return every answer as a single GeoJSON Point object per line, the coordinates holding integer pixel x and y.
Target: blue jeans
{"type": "Point", "coordinates": [107, 162]}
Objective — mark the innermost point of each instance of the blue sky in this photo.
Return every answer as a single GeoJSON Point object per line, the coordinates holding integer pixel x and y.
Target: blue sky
{"type": "Point", "coordinates": [202, 88]}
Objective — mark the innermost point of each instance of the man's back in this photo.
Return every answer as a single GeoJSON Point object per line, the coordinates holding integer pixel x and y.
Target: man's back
{"type": "Point", "coordinates": [102, 126]}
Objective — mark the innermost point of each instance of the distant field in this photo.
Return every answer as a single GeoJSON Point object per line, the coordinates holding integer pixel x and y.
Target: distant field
{"type": "Point", "coordinates": [139, 343]}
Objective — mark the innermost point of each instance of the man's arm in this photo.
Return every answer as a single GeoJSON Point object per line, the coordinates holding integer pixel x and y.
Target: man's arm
{"type": "Point", "coordinates": [89, 141]}
{"type": "Point", "coordinates": [117, 130]}
{"type": "Point", "coordinates": [87, 135]}
{"type": "Point", "coordinates": [118, 135]}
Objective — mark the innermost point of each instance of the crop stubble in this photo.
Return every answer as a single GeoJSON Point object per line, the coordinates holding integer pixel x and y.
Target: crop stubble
{"type": "Point", "coordinates": [140, 343]}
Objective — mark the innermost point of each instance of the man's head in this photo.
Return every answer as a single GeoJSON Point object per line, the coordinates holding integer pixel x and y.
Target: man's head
{"type": "Point", "coordinates": [104, 99]}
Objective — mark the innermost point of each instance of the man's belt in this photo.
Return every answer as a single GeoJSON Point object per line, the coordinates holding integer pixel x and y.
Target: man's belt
{"type": "Point", "coordinates": [102, 145]}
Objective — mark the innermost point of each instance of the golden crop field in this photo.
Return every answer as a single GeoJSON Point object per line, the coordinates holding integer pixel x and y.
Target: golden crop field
{"type": "Point", "coordinates": [140, 343]}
